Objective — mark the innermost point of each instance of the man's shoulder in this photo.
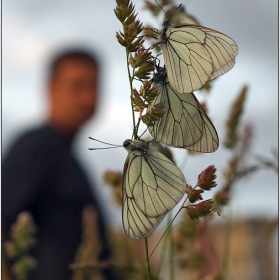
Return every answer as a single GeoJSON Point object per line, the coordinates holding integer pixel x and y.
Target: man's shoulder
{"type": "Point", "coordinates": [37, 133]}
{"type": "Point", "coordinates": [41, 139]}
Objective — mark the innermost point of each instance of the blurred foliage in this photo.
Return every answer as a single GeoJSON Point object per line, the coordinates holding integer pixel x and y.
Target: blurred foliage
{"type": "Point", "coordinates": [233, 119]}
{"type": "Point", "coordinates": [16, 249]}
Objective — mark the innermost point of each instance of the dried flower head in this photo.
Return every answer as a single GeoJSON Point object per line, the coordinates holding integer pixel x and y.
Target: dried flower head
{"type": "Point", "coordinates": [222, 197]}
{"type": "Point", "coordinates": [140, 57]}
{"type": "Point", "coordinates": [194, 194]}
{"type": "Point", "coordinates": [21, 241]}
{"type": "Point", "coordinates": [233, 119]}
{"type": "Point", "coordinates": [125, 12]}
{"type": "Point", "coordinates": [206, 179]}
{"type": "Point", "coordinates": [144, 70]}
{"type": "Point", "coordinates": [22, 235]}
{"type": "Point", "coordinates": [154, 112]}
{"type": "Point", "coordinates": [114, 179]}
{"type": "Point", "coordinates": [143, 100]}
{"type": "Point", "coordinates": [203, 208]}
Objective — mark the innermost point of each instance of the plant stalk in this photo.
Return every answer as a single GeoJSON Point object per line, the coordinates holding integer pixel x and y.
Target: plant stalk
{"type": "Point", "coordinates": [131, 89]}
{"type": "Point", "coordinates": [169, 225]}
{"type": "Point", "coordinates": [147, 259]}
{"type": "Point", "coordinates": [171, 250]}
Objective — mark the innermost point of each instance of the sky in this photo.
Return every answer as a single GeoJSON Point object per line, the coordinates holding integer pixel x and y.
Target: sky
{"type": "Point", "coordinates": [33, 29]}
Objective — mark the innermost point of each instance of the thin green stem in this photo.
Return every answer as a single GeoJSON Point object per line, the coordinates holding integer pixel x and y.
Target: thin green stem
{"type": "Point", "coordinates": [162, 254]}
{"type": "Point", "coordinates": [147, 259]}
{"type": "Point", "coordinates": [137, 127]}
{"type": "Point", "coordinates": [131, 89]}
{"type": "Point", "coordinates": [171, 250]}
{"type": "Point", "coordinates": [169, 225]}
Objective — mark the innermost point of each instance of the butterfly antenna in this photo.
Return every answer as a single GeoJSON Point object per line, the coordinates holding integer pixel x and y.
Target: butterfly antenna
{"type": "Point", "coordinates": [116, 146]}
{"type": "Point", "coordinates": [143, 132]}
{"type": "Point", "coordinates": [156, 59]}
{"type": "Point", "coordinates": [176, 10]}
{"type": "Point", "coordinates": [161, 8]}
{"type": "Point", "coordinates": [92, 149]}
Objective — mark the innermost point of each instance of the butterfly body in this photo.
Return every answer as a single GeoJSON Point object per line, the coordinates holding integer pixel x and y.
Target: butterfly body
{"type": "Point", "coordinates": [152, 186]}
{"type": "Point", "coordinates": [136, 145]}
{"type": "Point", "coordinates": [160, 76]}
{"type": "Point", "coordinates": [162, 34]}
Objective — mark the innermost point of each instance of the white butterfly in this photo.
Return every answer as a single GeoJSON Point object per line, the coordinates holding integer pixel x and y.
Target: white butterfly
{"type": "Point", "coordinates": [184, 123]}
{"type": "Point", "coordinates": [194, 54]}
{"type": "Point", "coordinates": [152, 186]}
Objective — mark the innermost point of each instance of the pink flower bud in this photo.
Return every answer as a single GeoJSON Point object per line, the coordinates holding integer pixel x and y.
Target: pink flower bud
{"type": "Point", "coordinates": [206, 179]}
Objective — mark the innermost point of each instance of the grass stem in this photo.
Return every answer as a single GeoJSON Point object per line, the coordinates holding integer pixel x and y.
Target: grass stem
{"type": "Point", "coordinates": [147, 259]}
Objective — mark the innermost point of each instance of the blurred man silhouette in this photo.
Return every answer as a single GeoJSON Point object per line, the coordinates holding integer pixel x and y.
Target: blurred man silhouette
{"type": "Point", "coordinates": [40, 175]}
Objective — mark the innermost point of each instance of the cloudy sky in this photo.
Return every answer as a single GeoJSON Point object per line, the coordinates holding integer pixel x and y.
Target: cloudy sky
{"type": "Point", "coordinates": [34, 29]}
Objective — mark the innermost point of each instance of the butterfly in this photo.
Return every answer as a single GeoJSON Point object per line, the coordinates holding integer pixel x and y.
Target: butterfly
{"type": "Point", "coordinates": [184, 123]}
{"type": "Point", "coordinates": [152, 186]}
{"type": "Point", "coordinates": [194, 54]}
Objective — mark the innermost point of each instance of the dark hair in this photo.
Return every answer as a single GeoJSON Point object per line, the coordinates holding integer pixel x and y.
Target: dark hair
{"type": "Point", "coordinates": [79, 54]}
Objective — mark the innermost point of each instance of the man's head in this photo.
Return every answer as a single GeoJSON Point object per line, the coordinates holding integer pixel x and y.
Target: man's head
{"type": "Point", "coordinates": [73, 89]}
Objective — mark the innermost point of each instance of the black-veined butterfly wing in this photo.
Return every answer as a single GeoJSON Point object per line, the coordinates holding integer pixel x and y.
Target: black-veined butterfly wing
{"type": "Point", "coordinates": [152, 186]}
{"type": "Point", "coordinates": [181, 124]}
{"type": "Point", "coordinates": [195, 54]}
{"type": "Point", "coordinates": [184, 123]}
{"type": "Point", "coordinates": [222, 49]}
{"type": "Point", "coordinates": [209, 141]}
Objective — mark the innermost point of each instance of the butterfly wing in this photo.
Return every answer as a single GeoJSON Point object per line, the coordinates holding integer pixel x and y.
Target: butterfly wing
{"type": "Point", "coordinates": [184, 123]}
{"type": "Point", "coordinates": [222, 49]}
{"type": "Point", "coordinates": [181, 124]}
{"type": "Point", "coordinates": [195, 54]}
{"type": "Point", "coordinates": [152, 186]}
{"type": "Point", "coordinates": [209, 141]}
{"type": "Point", "coordinates": [136, 224]}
